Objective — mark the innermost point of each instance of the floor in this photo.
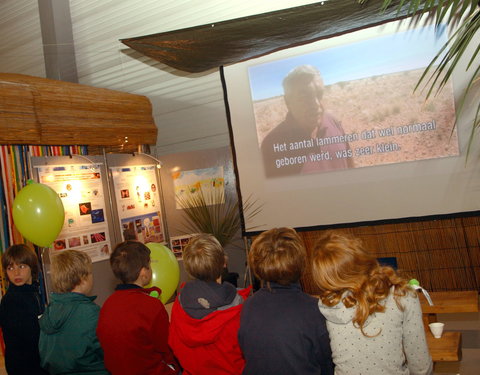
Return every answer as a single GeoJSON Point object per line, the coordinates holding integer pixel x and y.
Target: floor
{"type": "Point", "coordinates": [467, 323]}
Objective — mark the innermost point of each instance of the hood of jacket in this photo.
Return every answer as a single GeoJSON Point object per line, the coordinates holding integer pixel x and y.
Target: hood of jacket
{"type": "Point", "coordinates": [197, 332]}
{"type": "Point", "coordinates": [338, 314]}
{"type": "Point", "coordinates": [59, 310]}
{"type": "Point", "coordinates": [200, 298]}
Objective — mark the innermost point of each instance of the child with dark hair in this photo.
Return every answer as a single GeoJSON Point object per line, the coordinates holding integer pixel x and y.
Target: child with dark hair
{"type": "Point", "coordinates": [206, 314]}
{"type": "Point", "coordinates": [282, 332]}
{"type": "Point", "coordinates": [68, 343]}
{"type": "Point", "coordinates": [133, 326]}
{"type": "Point", "coordinates": [19, 311]}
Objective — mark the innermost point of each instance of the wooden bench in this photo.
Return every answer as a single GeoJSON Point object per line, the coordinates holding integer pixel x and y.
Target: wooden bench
{"type": "Point", "coordinates": [448, 302]}
{"type": "Point", "coordinates": [449, 346]}
{"type": "Point", "coordinates": [446, 348]}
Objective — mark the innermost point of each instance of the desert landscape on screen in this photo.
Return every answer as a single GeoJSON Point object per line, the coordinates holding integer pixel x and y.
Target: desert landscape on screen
{"type": "Point", "coordinates": [385, 114]}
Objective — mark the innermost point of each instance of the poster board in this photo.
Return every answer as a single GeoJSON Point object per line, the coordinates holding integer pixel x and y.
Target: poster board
{"type": "Point", "coordinates": [137, 198]}
{"type": "Point", "coordinates": [80, 189]}
{"type": "Point", "coordinates": [209, 181]}
{"type": "Point", "coordinates": [178, 244]}
{"type": "Point", "coordinates": [103, 279]}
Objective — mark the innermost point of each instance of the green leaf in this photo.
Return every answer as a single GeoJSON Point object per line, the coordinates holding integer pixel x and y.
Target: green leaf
{"type": "Point", "coordinates": [466, 15]}
{"type": "Point", "coordinates": [214, 212]}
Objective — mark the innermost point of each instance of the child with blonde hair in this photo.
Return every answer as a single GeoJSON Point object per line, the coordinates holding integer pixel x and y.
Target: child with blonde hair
{"type": "Point", "coordinates": [68, 342]}
{"type": "Point", "coordinates": [374, 318]}
{"type": "Point", "coordinates": [19, 311]}
{"type": "Point", "coordinates": [206, 314]}
{"type": "Point", "coordinates": [282, 332]}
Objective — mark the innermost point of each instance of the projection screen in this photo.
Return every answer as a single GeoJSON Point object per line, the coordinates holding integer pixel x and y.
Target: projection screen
{"type": "Point", "coordinates": [376, 150]}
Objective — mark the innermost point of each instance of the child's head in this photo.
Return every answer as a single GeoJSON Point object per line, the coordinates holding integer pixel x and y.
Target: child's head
{"type": "Point", "coordinates": [20, 264]}
{"type": "Point", "coordinates": [204, 258]}
{"type": "Point", "coordinates": [278, 255]}
{"type": "Point", "coordinates": [70, 269]}
{"type": "Point", "coordinates": [130, 261]}
{"type": "Point", "coordinates": [340, 263]}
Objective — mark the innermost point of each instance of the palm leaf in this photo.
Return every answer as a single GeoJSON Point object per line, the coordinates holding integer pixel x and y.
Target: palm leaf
{"type": "Point", "coordinates": [212, 211]}
{"type": "Point", "coordinates": [466, 15]}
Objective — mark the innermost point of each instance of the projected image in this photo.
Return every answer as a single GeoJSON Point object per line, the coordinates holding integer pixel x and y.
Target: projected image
{"type": "Point", "coordinates": [352, 106]}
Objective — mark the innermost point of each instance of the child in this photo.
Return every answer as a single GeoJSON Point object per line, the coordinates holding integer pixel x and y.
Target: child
{"type": "Point", "coordinates": [374, 318]}
{"type": "Point", "coordinates": [281, 328]}
{"type": "Point", "coordinates": [206, 315]}
{"type": "Point", "coordinates": [133, 326]}
{"type": "Point", "coordinates": [68, 343]}
{"type": "Point", "coordinates": [19, 311]}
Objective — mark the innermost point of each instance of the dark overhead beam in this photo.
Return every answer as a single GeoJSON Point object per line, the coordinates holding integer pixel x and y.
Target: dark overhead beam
{"type": "Point", "coordinates": [201, 48]}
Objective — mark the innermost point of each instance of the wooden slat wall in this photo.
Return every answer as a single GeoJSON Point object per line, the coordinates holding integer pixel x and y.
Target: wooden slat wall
{"type": "Point", "coordinates": [441, 254]}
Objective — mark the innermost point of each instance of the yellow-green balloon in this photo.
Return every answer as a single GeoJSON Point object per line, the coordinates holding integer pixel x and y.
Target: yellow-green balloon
{"type": "Point", "coordinates": [38, 213]}
{"type": "Point", "coordinates": [165, 270]}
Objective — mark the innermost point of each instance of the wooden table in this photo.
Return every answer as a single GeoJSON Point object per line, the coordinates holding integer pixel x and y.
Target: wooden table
{"type": "Point", "coordinates": [448, 302]}
{"type": "Point", "coordinates": [449, 346]}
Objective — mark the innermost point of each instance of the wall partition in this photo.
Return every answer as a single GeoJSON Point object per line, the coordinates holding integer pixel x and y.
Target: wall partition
{"type": "Point", "coordinates": [107, 199]}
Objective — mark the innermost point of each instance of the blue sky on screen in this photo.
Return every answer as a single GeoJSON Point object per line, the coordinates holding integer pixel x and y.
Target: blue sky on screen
{"type": "Point", "coordinates": [403, 51]}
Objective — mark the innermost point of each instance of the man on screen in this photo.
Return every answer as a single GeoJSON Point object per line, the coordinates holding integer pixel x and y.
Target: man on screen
{"type": "Point", "coordinates": [309, 140]}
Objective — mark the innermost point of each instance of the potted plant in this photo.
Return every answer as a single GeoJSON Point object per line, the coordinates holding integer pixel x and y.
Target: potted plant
{"type": "Point", "coordinates": [212, 211]}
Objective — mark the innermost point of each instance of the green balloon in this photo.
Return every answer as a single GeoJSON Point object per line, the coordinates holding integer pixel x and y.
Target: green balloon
{"type": "Point", "coordinates": [165, 270]}
{"type": "Point", "coordinates": [38, 213]}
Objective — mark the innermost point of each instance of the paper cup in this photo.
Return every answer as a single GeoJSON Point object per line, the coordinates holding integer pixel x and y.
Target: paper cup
{"type": "Point", "coordinates": [436, 329]}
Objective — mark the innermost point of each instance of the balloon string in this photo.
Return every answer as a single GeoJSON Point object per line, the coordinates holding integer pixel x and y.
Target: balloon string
{"type": "Point", "coordinates": [16, 187]}
{"type": "Point", "coordinates": [7, 194]}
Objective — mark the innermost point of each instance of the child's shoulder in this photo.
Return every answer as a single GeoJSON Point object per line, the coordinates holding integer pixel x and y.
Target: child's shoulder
{"type": "Point", "coordinates": [199, 298]}
{"type": "Point", "coordinates": [136, 296]}
{"type": "Point", "coordinates": [196, 288]}
{"type": "Point", "coordinates": [17, 295]}
{"type": "Point", "coordinates": [80, 301]}
{"type": "Point", "coordinates": [91, 305]}
{"type": "Point", "coordinates": [407, 301]}
{"type": "Point", "coordinates": [245, 292]}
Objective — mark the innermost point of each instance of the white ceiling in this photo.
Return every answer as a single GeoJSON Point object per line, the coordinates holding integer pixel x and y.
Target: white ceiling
{"type": "Point", "coordinates": [188, 108]}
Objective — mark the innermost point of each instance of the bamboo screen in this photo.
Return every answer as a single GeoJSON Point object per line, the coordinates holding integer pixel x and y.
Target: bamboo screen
{"type": "Point", "coordinates": [442, 254]}
{"type": "Point", "coordinates": [42, 111]}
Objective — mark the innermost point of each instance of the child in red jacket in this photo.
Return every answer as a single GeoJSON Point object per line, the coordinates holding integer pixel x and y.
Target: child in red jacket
{"type": "Point", "coordinates": [133, 326]}
{"type": "Point", "coordinates": [206, 315]}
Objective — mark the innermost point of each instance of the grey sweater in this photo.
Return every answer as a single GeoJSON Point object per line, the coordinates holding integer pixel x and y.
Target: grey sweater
{"type": "Point", "coordinates": [399, 349]}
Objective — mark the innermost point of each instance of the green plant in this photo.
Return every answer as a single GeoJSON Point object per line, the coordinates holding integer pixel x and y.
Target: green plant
{"type": "Point", "coordinates": [465, 15]}
{"type": "Point", "coordinates": [214, 212]}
